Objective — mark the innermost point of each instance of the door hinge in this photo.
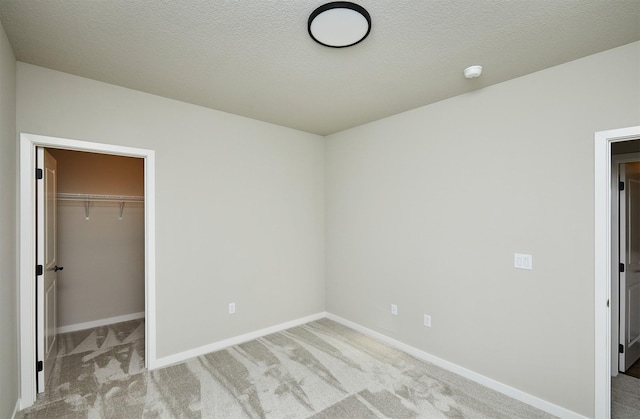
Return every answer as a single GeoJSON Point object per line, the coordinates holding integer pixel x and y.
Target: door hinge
{"type": "Point", "coordinates": [39, 270]}
{"type": "Point", "coordinates": [622, 267]}
{"type": "Point", "coordinates": [621, 348]}
{"type": "Point", "coordinates": [39, 174]}
{"type": "Point", "coordinates": [39, 366]}
{"type": "Point", "coordinates": [621, 186]}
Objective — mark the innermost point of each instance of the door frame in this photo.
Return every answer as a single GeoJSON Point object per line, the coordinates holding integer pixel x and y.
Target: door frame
{"type": "Point", "coordinates": [27, 249]}
{"type": "Point", "coordinates": [602, 262]}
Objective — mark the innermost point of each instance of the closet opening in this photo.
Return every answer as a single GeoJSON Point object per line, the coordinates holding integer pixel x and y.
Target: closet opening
{"type": "Point", "coordinates": [91, 245]}
{"type": "Point", "coordinates": [95, 324]}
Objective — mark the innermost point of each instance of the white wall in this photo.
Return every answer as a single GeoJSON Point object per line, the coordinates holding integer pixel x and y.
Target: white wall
{"type": "Point", "coordinates": [103, 257]}
{"type": "Point", "coordinates": [425, 210]}
{"type": "Point", "coordinates": [9, 380]}
{"type": "Point", "coordinates": [239, 203]}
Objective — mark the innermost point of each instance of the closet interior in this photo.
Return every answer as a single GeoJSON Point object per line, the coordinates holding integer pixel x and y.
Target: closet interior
{"type": "Point", "coordinates": [100, 239]}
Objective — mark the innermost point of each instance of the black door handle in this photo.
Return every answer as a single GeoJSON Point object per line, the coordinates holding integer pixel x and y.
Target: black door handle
{"type": "Point", "coordinates": [58, 268]}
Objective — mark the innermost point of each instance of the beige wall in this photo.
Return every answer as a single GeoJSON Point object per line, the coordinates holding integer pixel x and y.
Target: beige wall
{"type": "Point", "coordinates": [426, 209]}
{"type": "Point", "coordinates": [102, 174]}
{"type": "Point", "coordinates": [239, 203]}
{"type": "Point", "coordinates": [9, 380]}
{"type": "Point", "coordinates": [103, 257]}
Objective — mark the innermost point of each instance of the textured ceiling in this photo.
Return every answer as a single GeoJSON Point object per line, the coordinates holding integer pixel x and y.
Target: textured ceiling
{"type": "Point", "coordinates": [255, 58]}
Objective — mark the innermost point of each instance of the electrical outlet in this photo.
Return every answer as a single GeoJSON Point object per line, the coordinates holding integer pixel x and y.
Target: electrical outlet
{"type": "Point", "coordinates": [427, 320]}
{"type": "Point", "coordinates": [394, 309]}
{"type": "Point", "coordinates": [232, 308]}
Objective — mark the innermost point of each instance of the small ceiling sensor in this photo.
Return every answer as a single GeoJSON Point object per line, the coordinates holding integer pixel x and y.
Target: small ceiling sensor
{"type": "Point", "coordinates": [473, 71]}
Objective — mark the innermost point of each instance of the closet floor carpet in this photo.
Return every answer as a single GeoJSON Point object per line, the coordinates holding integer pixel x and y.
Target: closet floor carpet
{"type": "Point", "coordinates": [320, 370]}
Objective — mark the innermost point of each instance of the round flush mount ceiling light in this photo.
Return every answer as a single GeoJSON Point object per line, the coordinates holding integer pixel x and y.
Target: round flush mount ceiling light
{"type": "Point", "coordinates": [339, 24]}
{"type": "Point", "coordinates": [473, 71]}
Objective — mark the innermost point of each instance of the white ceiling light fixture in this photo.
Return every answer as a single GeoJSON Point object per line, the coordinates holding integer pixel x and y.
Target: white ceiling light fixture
{"type": "Point", "coordinates": [473, 71]}
{"type": "Point", "coordinates": [339, 24]}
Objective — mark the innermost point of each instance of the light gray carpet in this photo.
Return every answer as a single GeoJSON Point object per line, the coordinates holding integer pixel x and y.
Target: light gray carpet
{"type": "Point", "coordinates": [319, 370]}
{"type": "Point", "coordinates": [625, 397]}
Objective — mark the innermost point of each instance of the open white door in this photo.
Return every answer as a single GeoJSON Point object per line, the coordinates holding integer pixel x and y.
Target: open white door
{"type": "Point", "coordinates": [629, 265]}
{"type": "Point", "coordinates": [46, 289]}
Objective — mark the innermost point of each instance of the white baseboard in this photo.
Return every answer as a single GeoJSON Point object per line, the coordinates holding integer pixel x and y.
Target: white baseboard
{"type": "Point", "coordinates": [101, 322]}
{"type": "Point", "coordinates": [216, 346]}
{"type": "Point", "coordinates": [456, 369]}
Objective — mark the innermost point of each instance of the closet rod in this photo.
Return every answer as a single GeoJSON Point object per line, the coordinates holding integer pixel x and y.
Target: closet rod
{"type": "Point", "coordinates": [101, 198]}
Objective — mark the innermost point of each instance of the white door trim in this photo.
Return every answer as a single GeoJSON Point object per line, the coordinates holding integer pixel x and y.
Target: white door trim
{"type": "Point", "coordinates": [602, 261]}
{"type": "Point", "coordinates": [27, 245]}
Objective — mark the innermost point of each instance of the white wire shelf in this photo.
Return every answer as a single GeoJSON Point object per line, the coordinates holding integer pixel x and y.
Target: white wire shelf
{"type": "Point", "coordinates": [87, 199]}
{"type": "Point", "coordinates": [101, 198]}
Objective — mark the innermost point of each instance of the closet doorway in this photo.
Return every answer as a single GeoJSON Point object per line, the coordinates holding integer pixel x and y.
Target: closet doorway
{"type": "Point", "coordinates": [105, 222]}
{"type": "Point", "coordinates": [100, 217]}
{"type": "Point", "coordinates": [99, 284]}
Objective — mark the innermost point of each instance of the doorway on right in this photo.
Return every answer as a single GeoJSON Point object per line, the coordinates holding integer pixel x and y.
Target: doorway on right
{"type": "Point", "coordinates": [629, 265]}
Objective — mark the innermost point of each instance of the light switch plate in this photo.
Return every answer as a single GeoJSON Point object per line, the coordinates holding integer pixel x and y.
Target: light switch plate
{"type": "Point", "coordinates": [522, 261]}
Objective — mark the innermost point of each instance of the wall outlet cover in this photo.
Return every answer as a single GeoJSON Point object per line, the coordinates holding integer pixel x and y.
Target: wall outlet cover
{"type": "Point", "coordinates": [522, 261]}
